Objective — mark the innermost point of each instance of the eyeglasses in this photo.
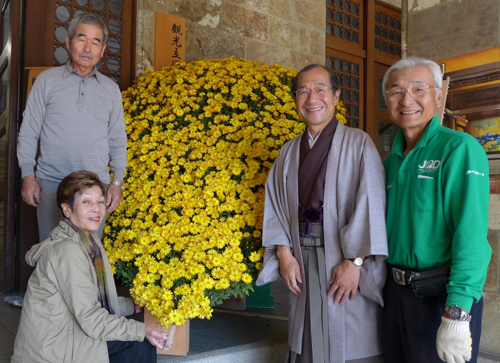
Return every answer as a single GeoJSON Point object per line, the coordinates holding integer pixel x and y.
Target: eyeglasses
{"type": "Point", "coordinates": [415, 91]}
{"type": "Point", "coordinates": [318, 91]}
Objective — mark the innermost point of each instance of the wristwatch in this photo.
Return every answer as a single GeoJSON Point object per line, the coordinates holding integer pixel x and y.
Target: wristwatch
{"type": "Point", "coordinates": [457, 313]}
{"type": "Point", "coordinates": [117, 183]}
{"type": "Point", "coordinates": [358, 261]}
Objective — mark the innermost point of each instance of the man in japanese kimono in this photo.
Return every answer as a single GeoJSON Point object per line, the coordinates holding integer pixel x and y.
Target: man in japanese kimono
{"type": "Point", "coordinates": [324, 231]}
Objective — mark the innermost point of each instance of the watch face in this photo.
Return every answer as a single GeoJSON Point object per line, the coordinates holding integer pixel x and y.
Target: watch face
{"type": "Point", "coordinates": [358, 261]}
{"type": "Point", "coordinates": [455, 312]}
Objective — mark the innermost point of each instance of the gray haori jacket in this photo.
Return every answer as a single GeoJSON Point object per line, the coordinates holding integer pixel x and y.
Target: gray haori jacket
{"type": "Point", "coordinates": [353, 225]}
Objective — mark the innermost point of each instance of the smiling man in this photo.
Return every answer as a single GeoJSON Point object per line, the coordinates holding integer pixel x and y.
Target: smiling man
{"type": "Point", "coordinates": [324, 230]}
{"type": "Point", "coordinates": [437, 222]}
{"type": "Point", "coordinates": [76, 116]}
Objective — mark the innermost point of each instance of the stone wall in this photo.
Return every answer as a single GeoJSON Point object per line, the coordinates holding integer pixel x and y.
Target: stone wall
{"type": "Point", "coordinates": [289, 32]}
{"type": "Point", "coordinates": [439, 29]}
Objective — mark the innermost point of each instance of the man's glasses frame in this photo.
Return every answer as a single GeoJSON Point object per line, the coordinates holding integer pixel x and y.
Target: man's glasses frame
{"type": "Point", "coordinates": [415, 91]}
{"type": "Point", "coordinates": [319, 91]}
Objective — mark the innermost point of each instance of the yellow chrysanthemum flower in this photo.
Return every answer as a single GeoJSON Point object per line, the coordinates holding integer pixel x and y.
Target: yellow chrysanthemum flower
{"type": "Point", "coordinates": [202, 138]}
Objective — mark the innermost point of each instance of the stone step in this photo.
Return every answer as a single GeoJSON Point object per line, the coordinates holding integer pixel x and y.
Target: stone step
{"type": "Point", "coordinates": [262, 352]}
{"type": "Point", "coordinates": [236, 337]}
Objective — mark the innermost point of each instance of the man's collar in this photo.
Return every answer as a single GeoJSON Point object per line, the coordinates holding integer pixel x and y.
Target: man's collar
{"type": "Point", "coordinates": [431, 128]}
{"type": "Point", "coordinates": [68, 70]}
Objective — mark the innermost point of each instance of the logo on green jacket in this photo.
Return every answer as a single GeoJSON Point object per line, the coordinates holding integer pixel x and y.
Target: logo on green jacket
{"type": "Point", "coordinates": [429, 166]}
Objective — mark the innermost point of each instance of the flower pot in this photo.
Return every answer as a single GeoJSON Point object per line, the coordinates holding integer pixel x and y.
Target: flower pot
{"type": "Point", "coordinates": [234, 303]}
{"type": "Point", "coordinates": [180, 345]}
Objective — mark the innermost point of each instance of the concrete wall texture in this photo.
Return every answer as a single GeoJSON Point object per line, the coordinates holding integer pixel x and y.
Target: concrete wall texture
{"type": "Point", "coordinates": [461, 27]}
{"type": "Point", "coordinates": [490, 336]}
{"type": "Point", "coordinates": [439, 29]}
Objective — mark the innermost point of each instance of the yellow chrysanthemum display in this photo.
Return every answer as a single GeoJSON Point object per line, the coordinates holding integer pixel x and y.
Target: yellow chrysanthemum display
{"type": "Point", "coordinates": [202, 138]}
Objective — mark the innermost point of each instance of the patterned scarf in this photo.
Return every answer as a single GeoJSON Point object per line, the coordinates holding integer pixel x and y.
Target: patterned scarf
{"type": "Point", "coordinates": [96, 256]}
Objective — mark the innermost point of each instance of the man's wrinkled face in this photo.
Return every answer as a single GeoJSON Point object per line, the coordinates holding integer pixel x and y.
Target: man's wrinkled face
{"type": "Point", "coordinates": [317, 106]}
{"type": "Point", "coordinates": [86, 48]}
{"type": "Point", "coordinates": [413, 110]}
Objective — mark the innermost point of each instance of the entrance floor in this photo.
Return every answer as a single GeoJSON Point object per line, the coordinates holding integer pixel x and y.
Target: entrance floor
{"type": "Point", "coordinates": [248, 336]}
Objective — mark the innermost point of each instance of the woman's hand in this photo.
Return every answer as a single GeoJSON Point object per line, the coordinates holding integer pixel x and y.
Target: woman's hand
{"type": "Point", "coordinates": [156, 338]}
{"type": "Point", "coordinates": [138, 309]}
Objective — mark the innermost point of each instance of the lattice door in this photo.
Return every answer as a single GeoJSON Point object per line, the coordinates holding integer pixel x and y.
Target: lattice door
{"type": "Point", "coordinates": [360, 35]}
{"type": "Point", "coordinates": [350, 71]}
{"type": "Point", "coordinates": [344, 20]}
{"type": "Point", "coordinates": [388, 32]}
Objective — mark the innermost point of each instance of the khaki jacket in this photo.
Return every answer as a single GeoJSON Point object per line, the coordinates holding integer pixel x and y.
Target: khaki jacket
{"type": "Point", "coordinates": [62, 319]}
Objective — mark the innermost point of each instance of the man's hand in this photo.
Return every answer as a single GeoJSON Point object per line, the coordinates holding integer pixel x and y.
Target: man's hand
{"type": "Point", "coordinates": [290, 269]}
{"type": "Point", "coordinates": [113, 197]}
{"type": "Point", "coordinates": [453, 342]}
{"type": "Point", "coordinates": [156, 338]}
{"type": "Point", "coordinates": [30, 190]}
{"type": "Point", "coordinates": [344, 281]}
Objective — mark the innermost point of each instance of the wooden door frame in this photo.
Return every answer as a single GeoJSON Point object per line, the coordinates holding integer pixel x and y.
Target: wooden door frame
{"type": "Point", "coordinates": [38, 45]}
{"type": "Point", "coordinates": [374, 60]}
{"type": "Point", "coordinates": [370, 57]}
{"type": "Point", "coordinates": [11, 171]}
{"type": "Point", "coordinates": [39, 52]}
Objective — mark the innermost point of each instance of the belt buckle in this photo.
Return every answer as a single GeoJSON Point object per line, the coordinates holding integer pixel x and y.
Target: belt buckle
{"type": "Point", "coordinates": [399, 276]}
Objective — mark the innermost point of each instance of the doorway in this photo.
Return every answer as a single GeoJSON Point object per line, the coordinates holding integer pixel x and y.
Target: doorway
{"type": "Point", "coordinates": [10, 29]}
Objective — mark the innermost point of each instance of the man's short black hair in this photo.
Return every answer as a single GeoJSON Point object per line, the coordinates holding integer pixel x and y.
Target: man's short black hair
{"type": "Point", "coordinates": [334, 79]}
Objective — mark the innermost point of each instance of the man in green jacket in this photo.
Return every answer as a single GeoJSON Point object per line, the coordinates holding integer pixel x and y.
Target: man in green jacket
{"type": "Point", "coordinates": [437, 221]}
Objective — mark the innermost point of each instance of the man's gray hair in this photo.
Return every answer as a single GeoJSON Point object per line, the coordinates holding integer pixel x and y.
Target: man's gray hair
{"type": "Point", "coordinates": [411, 62]}
{"type": "Point", "coordinates": [88, 18]}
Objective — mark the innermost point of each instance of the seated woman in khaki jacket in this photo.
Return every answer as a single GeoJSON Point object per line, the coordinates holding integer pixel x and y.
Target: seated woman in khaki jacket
{"type": "Point", "coordinates": [71, 311]}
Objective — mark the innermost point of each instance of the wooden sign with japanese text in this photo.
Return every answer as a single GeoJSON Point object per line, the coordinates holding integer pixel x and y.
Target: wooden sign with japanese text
{"type": "Point", "coordinates": [170, 42]}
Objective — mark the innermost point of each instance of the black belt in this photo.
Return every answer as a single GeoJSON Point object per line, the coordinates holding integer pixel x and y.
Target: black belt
{"type": "Point", "coordinates": [406, 277]}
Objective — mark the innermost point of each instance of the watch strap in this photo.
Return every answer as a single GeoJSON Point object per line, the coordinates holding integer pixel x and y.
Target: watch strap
{"type": "Point", "coordinates": [455, 312]}
{"type": "Point", "coordinates": [117, 183]}
{"type": "Point", "coordinates": [358, 261]}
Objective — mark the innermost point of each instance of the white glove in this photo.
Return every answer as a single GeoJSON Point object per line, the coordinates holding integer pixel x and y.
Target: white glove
{"type": "Point", "coordinates": [454, 342]}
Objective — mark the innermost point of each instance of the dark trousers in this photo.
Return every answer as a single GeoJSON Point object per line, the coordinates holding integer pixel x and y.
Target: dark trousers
{"type": "Point", "coordinates": [131, 352]}
{"type": "Point", "coordinates": [410, 325]}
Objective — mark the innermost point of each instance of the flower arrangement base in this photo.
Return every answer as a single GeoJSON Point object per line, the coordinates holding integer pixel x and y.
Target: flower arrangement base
{"type": "Point", "coordinates": [260, 297]}
{"type": "Point", "coordinates": [234, 303]}
{"type": "Point", "coordinates": [180, 345]}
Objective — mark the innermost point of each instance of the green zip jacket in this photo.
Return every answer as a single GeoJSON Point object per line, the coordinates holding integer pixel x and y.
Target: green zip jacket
{"type": "Point", "coordinates": [437, 209]}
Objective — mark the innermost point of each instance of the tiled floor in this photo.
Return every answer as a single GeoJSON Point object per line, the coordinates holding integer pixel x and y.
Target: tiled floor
{"type": "Point", "coordinates": [9, 319]}
{"type": "Point", "coordinates": [219, 339]}
{"type": "Point", "coordinates": [225, 338]}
